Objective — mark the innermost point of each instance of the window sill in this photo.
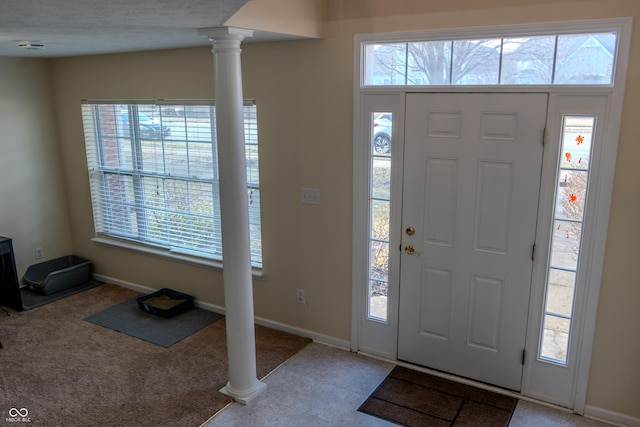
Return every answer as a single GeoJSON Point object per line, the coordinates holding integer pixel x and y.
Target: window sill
{"type": "Point", "coordinates": [257, 273]}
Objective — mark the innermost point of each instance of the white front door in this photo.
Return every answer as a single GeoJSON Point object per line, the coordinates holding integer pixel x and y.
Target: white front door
{"type": "Point", "coordinates": [470, 198]}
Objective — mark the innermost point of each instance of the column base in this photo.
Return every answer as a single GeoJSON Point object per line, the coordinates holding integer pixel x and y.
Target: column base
{"type": "Point", "coordinates": [246, 396]}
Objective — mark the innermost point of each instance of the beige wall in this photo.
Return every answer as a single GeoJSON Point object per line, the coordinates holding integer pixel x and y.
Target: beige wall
{"type": "Point", "coordinates": [304, 95]}
{"type": "Point", "coordinates": [173, 74]}
{"type": "Point", "coordinates": [304, 246]}
{"type": "Point", "coordinates": [33, 206]}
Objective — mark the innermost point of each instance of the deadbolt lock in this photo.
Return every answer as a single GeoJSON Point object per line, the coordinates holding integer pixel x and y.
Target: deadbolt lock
{"type": "Point", "coordinates": [411, 231]}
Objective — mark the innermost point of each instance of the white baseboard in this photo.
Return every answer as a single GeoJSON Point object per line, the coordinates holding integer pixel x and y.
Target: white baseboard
{"type": "Point", "coordinates": [210, 307]}
{"type": "Point", "coordinates": [124, 284]}
{"type": "Point", "coordinates": [316, 337]}
{"type": "Point", "coordinates": [611, 417]}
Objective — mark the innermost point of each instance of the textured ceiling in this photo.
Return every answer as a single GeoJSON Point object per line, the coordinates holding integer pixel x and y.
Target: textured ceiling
{"type": "Point", "coordinates": [85, 27]}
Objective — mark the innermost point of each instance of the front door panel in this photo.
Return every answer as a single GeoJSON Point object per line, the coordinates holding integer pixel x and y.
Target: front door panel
{"type": "Point", "coordinates": [471, 181]}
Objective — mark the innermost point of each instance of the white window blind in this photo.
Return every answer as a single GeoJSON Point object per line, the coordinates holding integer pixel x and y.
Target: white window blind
{"type": "Point", "coordinates": [153, 171]}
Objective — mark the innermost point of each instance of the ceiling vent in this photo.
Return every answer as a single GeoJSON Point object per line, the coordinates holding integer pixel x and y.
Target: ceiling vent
{"type": "Point", "coordinates": [30, 44]}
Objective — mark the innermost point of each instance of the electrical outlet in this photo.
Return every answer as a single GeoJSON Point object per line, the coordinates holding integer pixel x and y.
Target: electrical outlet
{"type": "Point", "coordinates": [300, 298]}
{"type": "Point", "coordinates": [39, 252]}
{"type": "Point", "coordinates": [309, 196]}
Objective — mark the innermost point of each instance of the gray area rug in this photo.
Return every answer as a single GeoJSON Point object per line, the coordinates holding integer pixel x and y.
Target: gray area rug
{"type": "Point", "coordinates": [128, 318]}
{"type": "Point", "coordinates": [32, 299]}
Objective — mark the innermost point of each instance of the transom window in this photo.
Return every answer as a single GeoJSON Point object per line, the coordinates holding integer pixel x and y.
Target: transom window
{"type": "Point", "coordinates": [553, 59]}
{"type": "Point", "coordinates": [153, 171]}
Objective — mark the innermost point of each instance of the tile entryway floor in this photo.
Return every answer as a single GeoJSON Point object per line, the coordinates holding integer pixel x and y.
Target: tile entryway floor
{"type": "Point", "coordinates": [325, 386]}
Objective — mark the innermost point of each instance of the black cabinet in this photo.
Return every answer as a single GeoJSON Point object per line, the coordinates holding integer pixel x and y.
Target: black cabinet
{"type": "Point", "coordinates": [9, 286]}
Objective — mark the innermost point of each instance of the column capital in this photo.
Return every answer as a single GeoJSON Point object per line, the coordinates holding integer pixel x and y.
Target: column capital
{"type": "Point", "coordinates": [225, 33]}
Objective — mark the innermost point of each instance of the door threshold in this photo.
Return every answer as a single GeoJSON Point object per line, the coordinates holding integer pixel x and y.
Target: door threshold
{"type": "Point", "coordinates": [469, 382]}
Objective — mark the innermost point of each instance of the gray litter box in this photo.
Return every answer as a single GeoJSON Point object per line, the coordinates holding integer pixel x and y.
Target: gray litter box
{"type": "Point", "coordinates": [58, 274]}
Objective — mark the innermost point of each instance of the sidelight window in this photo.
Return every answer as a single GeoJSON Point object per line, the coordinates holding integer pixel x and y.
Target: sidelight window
{"type": "Point", "coordinates": [379, 214]}
{"type": "Point", "coordinates": [566, 237]}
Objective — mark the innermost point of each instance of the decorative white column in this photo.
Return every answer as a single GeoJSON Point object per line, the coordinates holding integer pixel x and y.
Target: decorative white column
{"type": "Point", "coordinates": [243, 385]}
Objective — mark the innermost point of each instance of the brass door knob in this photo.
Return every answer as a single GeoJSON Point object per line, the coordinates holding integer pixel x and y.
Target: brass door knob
{"type": "Point", "coordinates": [409, 249]}
{"type": "Point", "coordinates": [411, 231]}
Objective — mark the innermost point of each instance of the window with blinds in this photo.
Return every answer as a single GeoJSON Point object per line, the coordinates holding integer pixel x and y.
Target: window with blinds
{"type": "Point", "coordinates": [153, 171]}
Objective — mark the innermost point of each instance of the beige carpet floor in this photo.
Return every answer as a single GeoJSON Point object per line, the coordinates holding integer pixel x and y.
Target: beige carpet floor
{"type": "Point", "coordinates": [68, 372]}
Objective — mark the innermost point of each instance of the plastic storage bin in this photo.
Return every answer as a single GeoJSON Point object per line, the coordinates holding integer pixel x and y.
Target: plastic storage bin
{"type": "Point", "coordinates": [166, 302]}
{"type": "Point", "coordinates": [58, 274]}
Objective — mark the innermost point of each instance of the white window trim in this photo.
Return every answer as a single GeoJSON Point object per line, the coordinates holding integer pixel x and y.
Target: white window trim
{"type": "Point", "coordinates": [567, 27]}
{"type": "Point", "coordinates": [185, 256]}
{"type": "Point", "coordinates": [544, 379]}
{"type": "Point", "coordinates": [599, 193]}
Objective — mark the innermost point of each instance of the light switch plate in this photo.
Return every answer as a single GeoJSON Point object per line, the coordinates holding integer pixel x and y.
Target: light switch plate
{"type": "Point", "coordinates": [310, 196]}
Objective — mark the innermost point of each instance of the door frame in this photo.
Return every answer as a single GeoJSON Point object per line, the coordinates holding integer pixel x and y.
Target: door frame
{"type": "Point", "coordinates": [379, 338]}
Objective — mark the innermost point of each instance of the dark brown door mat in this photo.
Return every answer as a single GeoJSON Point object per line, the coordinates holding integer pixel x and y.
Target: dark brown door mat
{"type": "Point", "coordinates": [413, 398]}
